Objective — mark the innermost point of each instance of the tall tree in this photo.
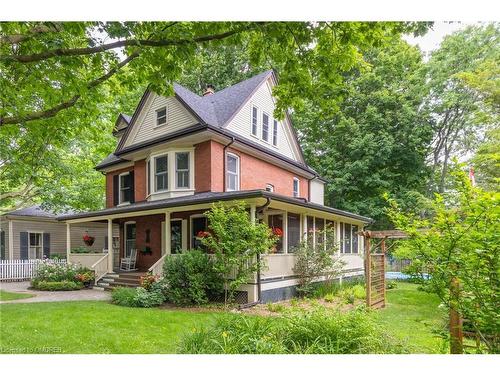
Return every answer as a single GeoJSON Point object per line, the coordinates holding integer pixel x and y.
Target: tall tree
{"type": "Point", "coordinates": [378, 139]}
{"type": "Point", "coordinates": [457, 108]}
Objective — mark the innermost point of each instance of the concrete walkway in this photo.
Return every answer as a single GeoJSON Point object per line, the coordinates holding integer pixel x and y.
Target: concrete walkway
{"type": "Point", "coordinates": [44, 296]}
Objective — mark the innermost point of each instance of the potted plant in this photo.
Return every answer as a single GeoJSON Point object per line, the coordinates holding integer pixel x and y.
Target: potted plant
{"type": "Point", "coordinates": [278, 232]}
{"type": "Point", "coordinates": [88, 239]}
{"type": "Point", "coordinates": [86, 278]}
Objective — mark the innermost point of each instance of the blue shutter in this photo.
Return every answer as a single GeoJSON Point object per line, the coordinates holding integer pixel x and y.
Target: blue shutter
{"type": "Point", "coordinates": [24, 244]}
{"type": "Point", "coordinates": [46, 245]}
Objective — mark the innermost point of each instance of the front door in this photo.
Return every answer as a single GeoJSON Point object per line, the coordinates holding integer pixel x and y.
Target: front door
{"type": "Point", "coordinates": [129, 239]}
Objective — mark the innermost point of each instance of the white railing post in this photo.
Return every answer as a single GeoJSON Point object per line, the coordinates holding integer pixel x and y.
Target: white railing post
{"type": "Point", "coordinates": [168, 234]}
{"type": "Point", "coordinates": [68, 241]}
{"type": "Point", "coordinates": [110, 245]}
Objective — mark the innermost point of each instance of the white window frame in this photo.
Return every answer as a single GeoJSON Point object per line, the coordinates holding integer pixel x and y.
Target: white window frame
{"type": "Point", "coordinates": [30, 246]}
{"type": "Point", "coordinates": [120, 201]}
{"type": "Point", "coordinates": [342, 227]}
{"type": "Point", "coordinates": [155, 189]}
{"type": "Point", "coordinates": [270, 188]}
{"type": "Point", "coordinates": [157, 118]}
{"type": "Point", "coordinates": [256, 134]}
{"type": "Point", "coordinates": [296, 193]}
{"type": "Point", "coordinates": [177, 187]}
{"type": "Point", "coordinates": [262, 132]}
{"type": "Point", "coordinates": [237, 174]}
{"type": "Point", "coordinates": [125, 237]}
{"type": "Point", "coordinates": [275, 132]}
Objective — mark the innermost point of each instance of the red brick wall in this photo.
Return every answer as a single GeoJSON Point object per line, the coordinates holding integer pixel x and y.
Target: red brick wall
{"type": "Point", "coordinates": [140, 180]}
{"type": "Point", "coordinates": [254, 173]}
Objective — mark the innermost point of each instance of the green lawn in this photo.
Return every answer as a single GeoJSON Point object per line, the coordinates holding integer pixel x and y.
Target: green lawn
{"type": "Point", "coordinates": [92, 327]}
{"type": "Point", "coordinates": [414, 316]}
{"type": "Point", "coordinates": [9, 296]}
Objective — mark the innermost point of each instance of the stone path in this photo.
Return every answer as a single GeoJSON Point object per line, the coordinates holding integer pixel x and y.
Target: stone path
{"type": "Point", "coordinates": [43, 296]}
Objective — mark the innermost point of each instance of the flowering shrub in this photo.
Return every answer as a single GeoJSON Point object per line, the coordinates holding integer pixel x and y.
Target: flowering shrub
{"type": "Point", "coordinates": [60, 275]}
{"type": "Point", "coordinates": [148, 280]}
{"type": "Point", "coordinates": [85, 276]}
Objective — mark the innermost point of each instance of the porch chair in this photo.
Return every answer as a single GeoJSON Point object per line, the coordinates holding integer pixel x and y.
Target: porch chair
{"type": "Point", "coordinates": [128, 264]}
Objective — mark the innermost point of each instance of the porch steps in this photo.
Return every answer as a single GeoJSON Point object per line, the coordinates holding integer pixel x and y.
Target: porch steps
{"type": "Point", "coordinates": [120, 279]}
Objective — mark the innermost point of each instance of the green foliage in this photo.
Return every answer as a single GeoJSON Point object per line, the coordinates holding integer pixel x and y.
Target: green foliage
{"type": "Point", "coordinates": [316, 261]}
{"type": "Point", "coordinates": [236, 243]}
{"type": "Point", "coordinates": [190, 278]}
{"type": "Point", "coordinates": [47, 271]}
{"type": "Point", "coordinates": [84, 250]}
{"type": "Point", "coordinates": [460, 241]}
{"type": "Point", "coordinates": [317, 332]}
{"type": "Point", "coordinates": [137, 297]}
{"type": "Point", "coordinates": [56, 285]}
{"type": "Point", "coordinates": [391, 284]}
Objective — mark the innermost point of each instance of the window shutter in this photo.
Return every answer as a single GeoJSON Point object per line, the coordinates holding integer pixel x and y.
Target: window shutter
{"type": "Point", "coordinates": [132, 187]}
{"type": "Point", "coordinates": [46, 245]}
{"type": "Point", "coordinates": [2, 245]}
{"type": "Point", "coordinates": [105, 242]}
{"type": "Point", "coordinates": [24, 244]}
{"type": "Point", "coordinates": [116, 191]}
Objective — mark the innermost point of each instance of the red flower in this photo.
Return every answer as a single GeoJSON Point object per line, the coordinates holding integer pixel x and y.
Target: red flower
{"type": "Point", "coordinates": [278, 232]}
{"type": "Point", "coordinates": [202, 234]}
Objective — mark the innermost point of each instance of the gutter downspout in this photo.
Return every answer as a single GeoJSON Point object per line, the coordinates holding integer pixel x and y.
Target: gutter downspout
{"type": "Point", "coordinates": [259, 285]}
{"type": "Point", "coordinates": [224, 163]}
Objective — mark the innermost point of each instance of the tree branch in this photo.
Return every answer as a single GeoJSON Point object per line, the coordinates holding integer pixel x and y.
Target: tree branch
{"type": "Point", "coordinates": [39, 29]}
{"type": "Point", "coordinates": [51, 112]}
{"type": "Point", "coordinates": [58, 52]}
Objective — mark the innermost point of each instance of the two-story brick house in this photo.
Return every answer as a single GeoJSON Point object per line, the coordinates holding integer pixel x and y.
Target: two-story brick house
{"type": "Point", "coordinates": [177, 155]}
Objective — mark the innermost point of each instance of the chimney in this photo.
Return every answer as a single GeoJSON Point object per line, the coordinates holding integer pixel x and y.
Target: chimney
{"type": "Point", "coordinates": [209, 90]}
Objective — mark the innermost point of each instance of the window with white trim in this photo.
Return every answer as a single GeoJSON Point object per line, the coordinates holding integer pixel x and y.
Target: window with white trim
{"type": "Point", "coordinates": [125, 187]}
{"type": "Point", "coordinates": [265, 127]}
{"type": "Point", "coordinates": [254, 121]}
{"type": "Point", "coordinates": [296, 187]}
{"type": "Point", "coordinates": [270, 187]}
{"type": "Point", "coordinates": [232, 172]}
{"type": "Point", "coordinates": [275, 133]}
{"type": "Point", "coordinates": [349, 238]}
{"type": "Point", "coordinates": [161, 116]}
{"type": "Point", "coordinates": [182, 170]}
{"type": "Point", "coordinates": [161, 173]}
{"type": "Point", "coordinates": [35, 246]}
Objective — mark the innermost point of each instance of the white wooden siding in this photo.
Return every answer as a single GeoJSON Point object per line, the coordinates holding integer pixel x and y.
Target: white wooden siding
{"type": "Point", "coordinates": [145, 127]}
{"type": "Point", "coordinates": [317, 191]}
{"type": "Point", "coordinates": [242, 123]}
{"type": "Point", "coordinates": [57, 232]}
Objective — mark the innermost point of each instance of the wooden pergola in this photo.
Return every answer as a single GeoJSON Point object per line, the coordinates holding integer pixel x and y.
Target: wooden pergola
{"type": "Point", "coordinates": [375, 264]}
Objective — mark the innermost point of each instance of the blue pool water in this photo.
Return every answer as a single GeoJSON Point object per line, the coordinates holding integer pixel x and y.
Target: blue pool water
{"type": "Point", "coordinates": [399, 276]}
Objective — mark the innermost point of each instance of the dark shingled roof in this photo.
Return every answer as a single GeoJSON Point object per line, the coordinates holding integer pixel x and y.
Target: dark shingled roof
{"type": "Point", "coordinates": [209, 197]}
{"type": "Point", "coordinates": [109, 160]}
{"type": "Point", "coordinates": [38, 211]}
{"type": "Point", "coordinates": [127, 118]}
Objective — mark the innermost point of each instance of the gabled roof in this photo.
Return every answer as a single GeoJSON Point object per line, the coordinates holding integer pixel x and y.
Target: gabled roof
{"type": "Point", "coordinates": [218, 108]}
{"type": "Point", "coordinates": [38, 212]}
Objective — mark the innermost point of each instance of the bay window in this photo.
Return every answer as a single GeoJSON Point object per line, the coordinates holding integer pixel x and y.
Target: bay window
{"type": "Point", "coordinates": [182, 170]}
{"type": "Point", "coordinates": [161, 173]}
{"type": "Point", "coordinates": [232, 172]}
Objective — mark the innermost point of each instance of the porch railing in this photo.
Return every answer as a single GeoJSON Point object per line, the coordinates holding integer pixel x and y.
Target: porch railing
{"type": "Point", "coordinates": [100, 267]}
{"type": "Point", "coordinates": [156, 269]}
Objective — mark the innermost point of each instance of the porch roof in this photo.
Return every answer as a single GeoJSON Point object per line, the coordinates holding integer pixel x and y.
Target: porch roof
{"type": "Point", "coordinates": [210, 197]}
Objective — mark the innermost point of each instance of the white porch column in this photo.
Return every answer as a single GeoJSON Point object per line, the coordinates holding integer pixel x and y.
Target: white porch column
{"type": "Point", "coordinates": [168, 234]}
{"type": "Point", "coordinates": [304, 227]}
{"type": "Point", "coordinates": [285, 232]}
{"type": "Point", "coordinates": [252, 213]}
{"type": "Point", "coordinates": [11, 240]}
{"type": "Point", "coordinates": [110, 245]}
{"type": "Point", "coordinates": [68, 241]}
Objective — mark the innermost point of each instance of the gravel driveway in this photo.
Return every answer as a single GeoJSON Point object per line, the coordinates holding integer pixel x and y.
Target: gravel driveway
{"type": "Point", "coordinates": [43, 296]}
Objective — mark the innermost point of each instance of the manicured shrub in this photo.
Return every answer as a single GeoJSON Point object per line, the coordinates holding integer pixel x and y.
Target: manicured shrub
{"type": "Point", "coordinates": [190, 278]}
{"type": "Point", "coordinates": [138, 297]}
{"type": "Point", "coordinates": [57, 285]}
{"type": "Point", "coordinates": [124, 296]}
{"type": "Point", "coordinates": [316, 332]}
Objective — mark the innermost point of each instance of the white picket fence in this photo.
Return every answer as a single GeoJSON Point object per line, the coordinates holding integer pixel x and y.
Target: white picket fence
{"type": "Point", "coordinates": [23, 269]}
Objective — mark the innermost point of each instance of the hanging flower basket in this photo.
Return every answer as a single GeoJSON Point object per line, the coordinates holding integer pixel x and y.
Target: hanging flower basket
{"type": "Point", "coordinates": [88, 239]}
{"type": "Point", "coordinates": [278, 232]}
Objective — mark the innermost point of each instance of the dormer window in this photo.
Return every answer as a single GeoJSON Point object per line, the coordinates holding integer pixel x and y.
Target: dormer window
{"type": "Point", "coordinates": [182, 170]}
{"type": "Point", "coordinates": [161, 173]}
{"type": "Point", "coordinates": [161, 116]}
{"type": "Point", "coordinates": [125, 187]}
{"type": "Point", "coordinates": [275, 133]}
{"type": "Point", "coordinates": [296, 187]}
{"type": "Point", "coordinates": [265, 127]}
{"type": "Point", "coordinates": [254, 121]}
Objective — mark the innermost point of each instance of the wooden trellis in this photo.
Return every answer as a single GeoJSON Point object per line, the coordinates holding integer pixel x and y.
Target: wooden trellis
{"type": "Point", "coordinates": [375, 264]}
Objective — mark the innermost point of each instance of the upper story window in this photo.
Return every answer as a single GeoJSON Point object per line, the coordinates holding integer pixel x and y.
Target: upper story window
{"type": "Point", "coordinates": [232, 172]}
{"type": "Point", "coordinates": [296, 187]}
{"type": "Point", "coordinates": [125, 187]}
{"type": "Point", "coordinates": [161, 173]}
{"type": "Point", "coordinates": [161, 116]}
{"type": "Point", "coordinates": [275, 133]}
{"type": "Point", "coordinates": [182, 170]}
{"type": "Point", "coordinates": [254, 121]}
{"type": "Point", "coordinates": [265, 127]}
{"type": "Point", "coordinates": [270, 187]}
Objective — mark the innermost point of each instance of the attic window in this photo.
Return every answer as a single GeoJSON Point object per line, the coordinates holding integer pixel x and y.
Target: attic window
{"type": "Point", "coordinates": [265, 127]}
{"type": "Point", "coordinates": [161, 116]}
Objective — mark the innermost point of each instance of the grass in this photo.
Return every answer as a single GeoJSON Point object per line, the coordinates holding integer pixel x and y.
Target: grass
{"type": "Point", "coordinates": [415, 317]}
{"type": "Point", "coordinates": [93, 327]}
{"type": "Point", "coordinates": [10, 296]}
